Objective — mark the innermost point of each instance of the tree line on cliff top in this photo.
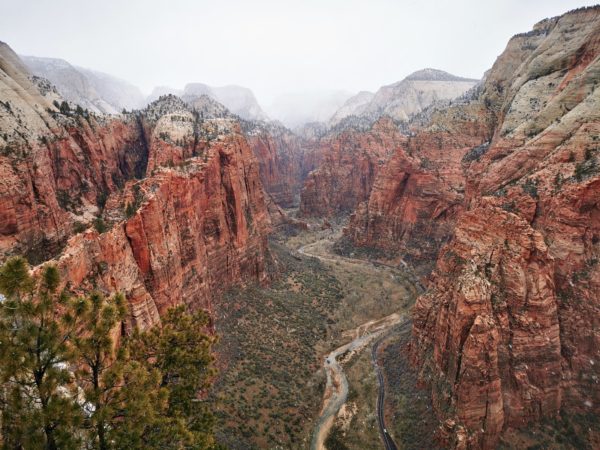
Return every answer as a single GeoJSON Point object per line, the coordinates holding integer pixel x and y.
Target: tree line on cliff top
{"type": "Point", "coordinates": [71, 378]}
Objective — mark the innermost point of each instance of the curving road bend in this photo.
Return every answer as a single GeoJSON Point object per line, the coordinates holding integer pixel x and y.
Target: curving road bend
{"type": "Point", "coordinates": [305, 250]}
{"type": "Point", "coordinates": [336, 389]}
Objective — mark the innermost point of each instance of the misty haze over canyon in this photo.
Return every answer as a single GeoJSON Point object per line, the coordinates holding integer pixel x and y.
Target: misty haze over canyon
{"type": "Point", "coordinates": [316, 225]}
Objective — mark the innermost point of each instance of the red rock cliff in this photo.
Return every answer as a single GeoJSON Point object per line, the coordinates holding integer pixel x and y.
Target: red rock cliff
{"type": "Point", "coordinates": [285, 159]}
{"type": "Point", "coordinates": [350, 161]}
{"type": "Point", "coordinates": [54, 167]}
{"type": "Point", "coordinates": [180, 195]}
{"type": "Point", "coordinates": [417, 195]}
{"type": "Point", "coordinates": [200, 227]}
{"type": "Point", "coordinates": [508, 331]}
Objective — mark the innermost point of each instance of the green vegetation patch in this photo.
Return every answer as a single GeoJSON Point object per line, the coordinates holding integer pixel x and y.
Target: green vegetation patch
{"type": "Point", "coordinates": [413, 423]}
{"type": "Point", "coordinates": [271, 387]}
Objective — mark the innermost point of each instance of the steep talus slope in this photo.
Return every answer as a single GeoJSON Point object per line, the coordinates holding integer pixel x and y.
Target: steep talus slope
{"type": "Point", "coordinates": [508, 331]}
{"type": "Point", "coordinates": [349, 163]}
{"type": "Point", "coordinates": [174, 194]}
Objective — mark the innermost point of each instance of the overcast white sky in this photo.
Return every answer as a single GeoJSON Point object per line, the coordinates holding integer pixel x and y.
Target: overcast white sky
{"type": "Point", "coordinates": [272, 46]}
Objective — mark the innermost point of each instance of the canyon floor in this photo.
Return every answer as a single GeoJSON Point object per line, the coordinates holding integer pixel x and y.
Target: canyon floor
{"type": "Point", "coordinates": [273, 378]}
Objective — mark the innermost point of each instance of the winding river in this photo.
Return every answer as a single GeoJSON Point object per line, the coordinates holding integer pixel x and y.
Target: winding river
{"type": "Point", "coordinates": [336, 389]}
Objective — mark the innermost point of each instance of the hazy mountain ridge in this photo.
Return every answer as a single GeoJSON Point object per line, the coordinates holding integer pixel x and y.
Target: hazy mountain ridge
{"type": "Point", "coordinates": [237, 99]}
{"type": "Point", "coordinates": [296, 109]}
{"type": "Point", "coordinates": [97, 91]}
{"type": "Point", "coordinates": [405, 98]}
{"type": "Point", "coordinates": [352, 107]}
{"type": "Point", "coordinates": [103, 93]}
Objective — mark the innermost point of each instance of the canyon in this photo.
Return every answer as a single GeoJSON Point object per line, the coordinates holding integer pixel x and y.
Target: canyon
{"type": "Point", "coordinates": [483, 197]}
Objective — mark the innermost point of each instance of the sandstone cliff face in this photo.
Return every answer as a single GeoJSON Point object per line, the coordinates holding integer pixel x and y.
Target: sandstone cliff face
{"type": "Point", "coordinates": [54, 166]}
{"type": "Point", "coordinates": [285, 159]}
{"type": "Point", "coordinates": [350, 162]}
{"type": "Point", "coordinates": [364, 135]}
{"type": "Point", "coordinates": [416, 197]}
{"type": "Point", "coordinates": [178, 190]}
{"type": "Point", "coordinates": [508, 332]}
{"type": "Point", "coordinates": [491, 322]}
{"type": "Point", "coordinates": [199, 228]}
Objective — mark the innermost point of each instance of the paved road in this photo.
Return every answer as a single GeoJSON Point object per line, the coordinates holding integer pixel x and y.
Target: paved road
{"type": "Point", "coordinates": [388, 442]}
{"type": "Point", "coordinates": [336, 389]}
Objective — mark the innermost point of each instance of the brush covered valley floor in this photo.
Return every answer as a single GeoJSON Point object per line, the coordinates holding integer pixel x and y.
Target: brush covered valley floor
{"type": "Point", "coordinates": [271, 383]}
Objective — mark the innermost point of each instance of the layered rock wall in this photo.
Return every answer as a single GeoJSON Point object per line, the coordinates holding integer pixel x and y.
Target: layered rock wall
{"type": "Point", "coordinates": [199, 229]}
{"type": "Point", "coordinates": [175, 197]}
{"type": "Point", "coordinates": [416, 197]}
{"type": "Point", "coordinates": [508, 332]}
{"type": "Point", "coordinates": [285, 160]}
{"type": "Point", "coordinates": [350, 162]}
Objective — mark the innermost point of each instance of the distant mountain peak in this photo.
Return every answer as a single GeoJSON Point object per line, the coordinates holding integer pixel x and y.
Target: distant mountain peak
{"type": "Point", "coordinates": [403, 99]}
{"type": "Point", "coordinates": [430, 74]}
{"type": "Point", "coordinates": [238, 99]}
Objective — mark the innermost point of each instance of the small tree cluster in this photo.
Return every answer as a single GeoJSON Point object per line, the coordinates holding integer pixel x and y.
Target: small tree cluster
{"type": "Point", "coordinates": [70, 377]}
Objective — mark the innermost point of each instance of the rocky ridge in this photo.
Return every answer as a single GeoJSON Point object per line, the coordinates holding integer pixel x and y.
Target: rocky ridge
{"type": "Point", "coordinates": [405, 98]}
{"type": "Point", "coordinates": [237, 99]}
{"type": "Point", "coordinates": [173, 193]}
{"type": "Point", "coordinates": [369, 129]}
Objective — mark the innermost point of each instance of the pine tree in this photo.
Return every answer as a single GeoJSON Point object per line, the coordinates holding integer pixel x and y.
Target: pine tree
{"type": "Point", "coordinates": [71, 378]}
{"type": "Point", "coordinates": [135, 419]}
{"type": "Point", "coordinates": [180, 350]}
{"type": "Point", "coordinates": [124, 398]}
{"type": "Point", "coordinates": [65, 108]}
{"type": "Point", "coordinates": [101, 364]}
{"type": "Point", "coordinates": [38, 394]}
